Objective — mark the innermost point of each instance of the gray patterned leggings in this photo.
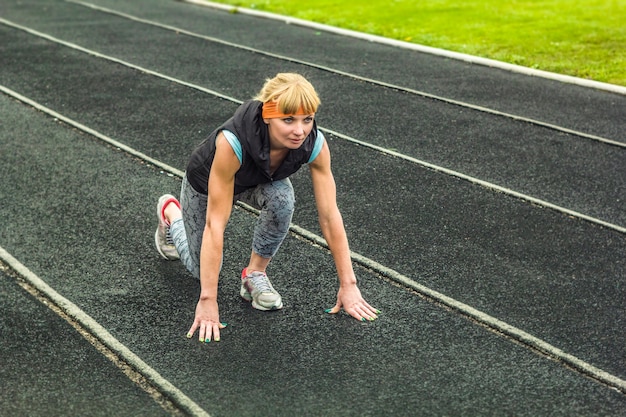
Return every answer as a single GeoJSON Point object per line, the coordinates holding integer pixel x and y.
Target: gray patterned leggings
{"type": "Point", "coordinates": [276, 201]}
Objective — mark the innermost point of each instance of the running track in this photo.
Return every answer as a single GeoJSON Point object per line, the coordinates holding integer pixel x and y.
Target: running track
{"type": "Point", "coordinates": [485, 210]}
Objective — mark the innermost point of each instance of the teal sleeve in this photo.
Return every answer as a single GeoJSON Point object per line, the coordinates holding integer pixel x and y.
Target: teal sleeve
{"type": "Point", "coordinates": [234, 143]}
{"type": "Point", "coordinates": [317, 148]}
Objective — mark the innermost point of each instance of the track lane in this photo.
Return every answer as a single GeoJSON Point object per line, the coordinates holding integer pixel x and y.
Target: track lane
{"type": "Point", "coordinates": [466, 310]}
{"type": "Point", "coordinates": [599, 113]}
{"type": "Point", "coordinates": [339, 153]}
{"type": "Point", "coordinates": [498, 233]}
{"type": "Point", "coordinates": [89, 381]}
{"type": "Point", "coordinates": [32, 334]}
{"type": "Point", "coordinates": [495, 151]}
{"type": "Point", "coordinates": [432, 350]}
{"type": "Point", "coordinates": [355, 76]}
{"type": "Point", "coordinates": [122, 114]}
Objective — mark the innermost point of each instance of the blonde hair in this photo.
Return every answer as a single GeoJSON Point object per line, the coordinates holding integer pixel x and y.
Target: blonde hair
{"type": "Point", "coordinates": [291, 92]}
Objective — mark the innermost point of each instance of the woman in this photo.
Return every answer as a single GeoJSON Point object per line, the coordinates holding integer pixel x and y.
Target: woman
{"type": "Point", "coordinates": [250, 158]}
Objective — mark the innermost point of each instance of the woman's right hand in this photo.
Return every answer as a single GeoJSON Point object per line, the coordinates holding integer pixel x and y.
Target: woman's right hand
{"type": "Point", "coordinates": [207, 321]}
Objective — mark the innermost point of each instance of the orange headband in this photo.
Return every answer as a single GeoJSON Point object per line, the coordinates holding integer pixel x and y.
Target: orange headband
{"type": "Point", "coordinates": [271, 111]}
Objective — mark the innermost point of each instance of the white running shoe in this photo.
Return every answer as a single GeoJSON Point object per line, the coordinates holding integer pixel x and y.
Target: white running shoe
{"type": "Point", "coordinates": [162, 238]}
{"type": "Point", "coordinates": [256, 287]}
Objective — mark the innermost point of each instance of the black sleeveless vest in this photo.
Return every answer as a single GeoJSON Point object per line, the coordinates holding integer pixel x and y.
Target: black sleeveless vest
{"type": "Point", "coordinates": [253, 134]}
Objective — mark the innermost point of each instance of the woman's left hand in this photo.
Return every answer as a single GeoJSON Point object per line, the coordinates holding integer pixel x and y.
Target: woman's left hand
{"type": "Point", "coordinates": [349, 298]}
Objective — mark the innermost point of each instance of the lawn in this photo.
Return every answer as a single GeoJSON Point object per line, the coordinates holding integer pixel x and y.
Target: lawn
{"type": "Point", "coordinates": [583, 39]}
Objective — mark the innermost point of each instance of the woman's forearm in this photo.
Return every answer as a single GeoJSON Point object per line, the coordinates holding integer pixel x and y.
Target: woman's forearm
{"type": "Point", "coordinates": [335, 234]}
{"type": "Point", "coordinates": [210, 262]}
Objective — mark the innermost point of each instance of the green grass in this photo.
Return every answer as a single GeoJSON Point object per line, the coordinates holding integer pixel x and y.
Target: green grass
{"type": "Point", "coordinates": [585, 39]}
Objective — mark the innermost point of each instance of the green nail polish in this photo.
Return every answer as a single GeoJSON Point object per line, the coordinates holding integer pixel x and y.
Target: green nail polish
{"type": "Point", "coordinates": [207, 340]}
{"type": "Point", "coordinates": [378, 311]}
{"type": "Point", "coordinates": [328, 310]}
{"type": "Point", "coordinates": [216, 339]}
{"type": "Point", "coordinates": [224, 324]}
{"type": "Point", "coordinates": [201, 340]}
{"type": "Point", "coordinates": [189, 335]}
{"type": "Point", "coordinates": [362, 318]}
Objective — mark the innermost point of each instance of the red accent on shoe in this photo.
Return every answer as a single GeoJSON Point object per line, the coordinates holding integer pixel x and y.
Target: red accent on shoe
{"type": "Point", "coordinates": [167, 203]}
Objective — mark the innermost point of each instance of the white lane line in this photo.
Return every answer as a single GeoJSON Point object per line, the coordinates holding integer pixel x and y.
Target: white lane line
{"type": "Point", "coordinates": [112, 59]}
{"type": "Point", "coordinates": [101, 334]}
{"type": "Point", "coordinates": [437, 168]}
{"type": "Point", "coordinates": [415, 47]}
{"type": "Point", "coordinates": [90, 131]}
{"type": "Point", "coordinates": [483, 183]}
{"type": "Point", "coordinates": [357, 77]}
{"type": "Point", "coordinates": [483, 318]}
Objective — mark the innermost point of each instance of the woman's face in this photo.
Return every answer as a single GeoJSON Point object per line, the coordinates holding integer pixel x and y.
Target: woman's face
{"type": "Point", "coordinates": [289, 132]}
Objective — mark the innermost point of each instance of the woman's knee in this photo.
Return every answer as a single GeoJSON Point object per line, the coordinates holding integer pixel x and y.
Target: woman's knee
{"type": "Point", "coordinates": [280, 198]}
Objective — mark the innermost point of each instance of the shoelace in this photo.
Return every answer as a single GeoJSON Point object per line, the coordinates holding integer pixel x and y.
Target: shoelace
{"type": "Point", "coordinates": [168, 237]}
{"type": "Point", "coordinates": [261, 282]}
